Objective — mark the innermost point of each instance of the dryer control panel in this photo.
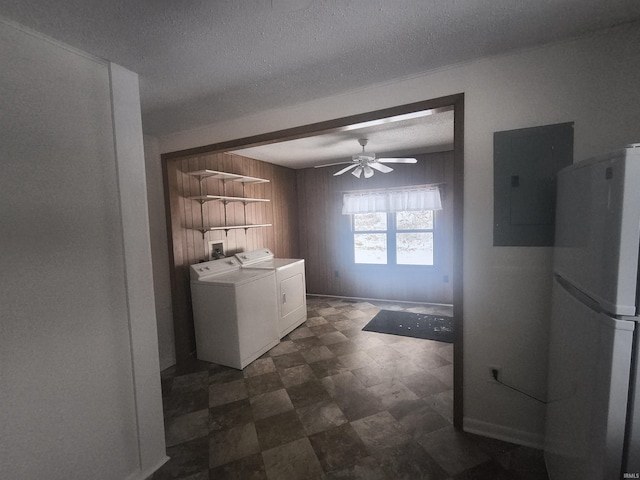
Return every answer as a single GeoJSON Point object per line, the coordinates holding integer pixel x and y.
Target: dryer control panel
{"type": "Point", "coordinates": [255, 256]}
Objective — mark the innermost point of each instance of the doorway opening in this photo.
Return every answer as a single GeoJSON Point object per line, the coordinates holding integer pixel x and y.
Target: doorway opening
{"type": "Point", "coordinates": [183, 326]}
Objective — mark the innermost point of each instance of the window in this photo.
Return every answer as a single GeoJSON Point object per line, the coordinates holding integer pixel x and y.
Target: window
{"type": "Point", "coordinates": [370, 238]}
{"type": "Point", "coordinates": [414, 237]}
{"type": "Point", "coordinates": [393, 227]}
{"type": "Point", "coordinates": [398, 238]}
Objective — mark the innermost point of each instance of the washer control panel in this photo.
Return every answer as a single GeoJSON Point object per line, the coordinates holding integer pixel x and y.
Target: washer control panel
{"type": "Point", "coordinates": [213, 267]}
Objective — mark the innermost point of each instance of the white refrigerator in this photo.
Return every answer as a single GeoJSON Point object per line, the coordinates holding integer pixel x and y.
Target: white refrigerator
{"type": "Point", "coordinates": [593, 410]}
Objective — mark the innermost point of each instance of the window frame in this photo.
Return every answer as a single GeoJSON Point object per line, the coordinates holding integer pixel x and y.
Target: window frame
{"type": "Point", "coordinates": [391, 234]}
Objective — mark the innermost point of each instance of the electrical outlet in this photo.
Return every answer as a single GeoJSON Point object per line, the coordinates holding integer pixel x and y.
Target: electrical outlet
{"type": "Point", "coordinates": [495, 373]}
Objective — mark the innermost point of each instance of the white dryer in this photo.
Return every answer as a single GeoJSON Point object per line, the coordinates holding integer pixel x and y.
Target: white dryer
{"type": "Point", "coordinates": [235, 312]}
{"type": "Point", "coordinates": [290, 283]}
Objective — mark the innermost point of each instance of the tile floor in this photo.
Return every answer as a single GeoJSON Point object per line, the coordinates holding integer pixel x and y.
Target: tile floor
{"type": "Point", "coordinates": [331, 402]}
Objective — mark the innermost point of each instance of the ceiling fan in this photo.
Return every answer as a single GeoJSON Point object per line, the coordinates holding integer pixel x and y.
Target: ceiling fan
{"type": "Point", "coordinates": [366, 162]}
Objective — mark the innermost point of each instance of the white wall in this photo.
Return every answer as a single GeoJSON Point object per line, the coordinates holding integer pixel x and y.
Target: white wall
{"type": "Point", "coordinates": [79, 382]}
{"type": "Point", "coordinates": [592, 81]}
{"type": "Point", "coordinates": [160, 253]}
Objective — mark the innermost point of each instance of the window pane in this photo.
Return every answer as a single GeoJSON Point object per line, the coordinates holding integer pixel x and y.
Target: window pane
{"type": "Point", "coordinates": [370, 248]}
{"type": "Point", "coordinates": [418, 220]}
{"type": "Point", "coordinates": [414, 248]}
{"type": "Point", "coordinates": [370, 221]}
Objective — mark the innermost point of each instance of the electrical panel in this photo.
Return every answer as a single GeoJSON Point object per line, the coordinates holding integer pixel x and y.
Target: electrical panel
{"type": "Point", "coordinates": [525, 164]}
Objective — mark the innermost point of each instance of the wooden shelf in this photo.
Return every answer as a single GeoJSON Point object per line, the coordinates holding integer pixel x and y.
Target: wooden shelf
{"type": "Point", "coordinates": [202, 174]}
{"type": "Point", "coordinates": [226, 199]}
{"type": "Point", "coordinates": [234, 227]}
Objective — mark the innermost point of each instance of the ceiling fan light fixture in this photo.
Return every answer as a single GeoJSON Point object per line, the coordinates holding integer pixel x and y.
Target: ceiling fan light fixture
{"type": "Point", "coordinates": [368, 172]}
{"type": "Point", "coordinates": [357, 172]}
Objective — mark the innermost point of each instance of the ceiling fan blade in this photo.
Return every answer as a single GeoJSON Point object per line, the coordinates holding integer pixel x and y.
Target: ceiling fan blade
{"type": "Point", "coordinates": [380, 167]}
{"type": "Point", "coordinates": [357, 172]}
{"type": "Point", "coordinates": [332, 164]}
{"type": "Point", "coordinates": [397, 160]}
{"type": "Point", "coordinates": [346, 169]}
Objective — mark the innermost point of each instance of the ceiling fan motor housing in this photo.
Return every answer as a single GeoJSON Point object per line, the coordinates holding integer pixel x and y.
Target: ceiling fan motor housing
{"type": "Point", "coordinates": [364, 157]}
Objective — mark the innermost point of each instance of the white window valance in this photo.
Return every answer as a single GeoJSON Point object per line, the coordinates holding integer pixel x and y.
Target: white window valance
{"type": "Point", "coordinates": [364, 202]}
{"type": "Point", "coordinates": [400, 200]}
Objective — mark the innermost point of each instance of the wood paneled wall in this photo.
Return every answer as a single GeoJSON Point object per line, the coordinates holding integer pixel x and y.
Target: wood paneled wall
{"type": "Point", "coordinates": [189, 246]}
{"type": "Point", "coordinates": [325, 237]}
{"type": "Point", "coordinates": [305, 211]}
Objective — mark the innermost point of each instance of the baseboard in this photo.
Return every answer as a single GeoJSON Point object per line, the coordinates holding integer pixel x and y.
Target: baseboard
{"type": "Point", "coordinates": [144, 475]}
{"type": "Point", "coordinates": [506, 434]}
{"type": "Point", "coordinates": [379, 300]}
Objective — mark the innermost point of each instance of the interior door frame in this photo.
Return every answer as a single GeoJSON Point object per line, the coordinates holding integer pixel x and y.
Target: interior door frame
{"type": "Point", "coordinates": [455, 101]}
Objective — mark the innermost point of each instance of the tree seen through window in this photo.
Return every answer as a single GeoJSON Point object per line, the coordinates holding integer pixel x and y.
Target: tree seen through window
{"type": "Point", "coordinates": [400, 238]}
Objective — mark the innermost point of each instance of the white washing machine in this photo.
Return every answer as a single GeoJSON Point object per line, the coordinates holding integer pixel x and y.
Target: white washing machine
{"type": "Point", "coordinates": [235, 312]}
{"type": "Point", "coordinates": [290, 283]}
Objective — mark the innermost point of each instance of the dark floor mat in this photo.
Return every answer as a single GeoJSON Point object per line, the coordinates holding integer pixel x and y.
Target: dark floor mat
{"type": "Point", "coordinates": [408, 324]}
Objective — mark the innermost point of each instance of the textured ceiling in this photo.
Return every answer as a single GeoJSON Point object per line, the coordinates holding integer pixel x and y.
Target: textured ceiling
{"type": "Point", "coordinates": [205, 61]}
{"type": "Point", "coordinates": [424, 134]}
